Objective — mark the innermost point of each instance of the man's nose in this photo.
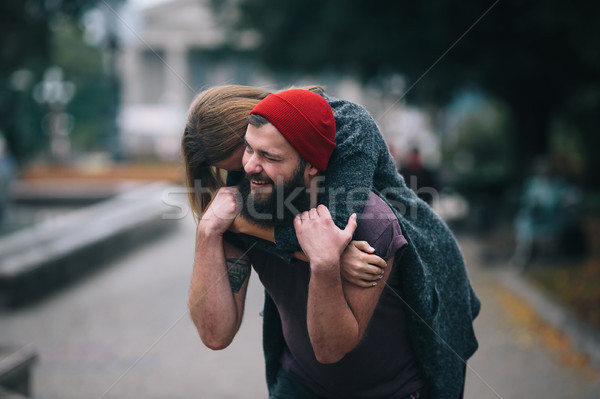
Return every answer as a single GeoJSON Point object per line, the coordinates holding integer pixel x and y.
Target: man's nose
{"type": "Point", "coordinates": [252, 165]}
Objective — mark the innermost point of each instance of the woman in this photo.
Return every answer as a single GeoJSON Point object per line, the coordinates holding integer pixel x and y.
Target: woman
{"type": "Point", "coordinates": [214, 140]}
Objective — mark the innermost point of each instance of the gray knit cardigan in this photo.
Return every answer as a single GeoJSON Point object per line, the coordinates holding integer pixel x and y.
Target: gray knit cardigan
{"type": "Point", "coordinates": [434, 285]}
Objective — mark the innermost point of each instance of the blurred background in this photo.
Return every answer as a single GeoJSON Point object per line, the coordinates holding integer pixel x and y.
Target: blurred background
{"type": "Point", "coordinates": [491, 111]}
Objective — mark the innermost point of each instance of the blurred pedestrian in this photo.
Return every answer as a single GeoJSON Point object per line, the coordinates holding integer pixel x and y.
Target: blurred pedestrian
{"type": "Point", "coordinates": [547, 216]}
{"type": "Point", "coordinates": [418, 177]}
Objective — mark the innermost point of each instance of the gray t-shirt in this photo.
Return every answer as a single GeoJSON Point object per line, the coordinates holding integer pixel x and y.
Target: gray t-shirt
{"type": "Point", "coordinates": [383, 364]}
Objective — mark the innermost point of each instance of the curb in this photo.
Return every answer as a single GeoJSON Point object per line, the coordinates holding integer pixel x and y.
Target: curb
{"type": "Point", "coordinates": [38, 260]}
{"type": "Point", "coordinates": [583, 337]}
{"type": "Point", "coordinates": [16, 364]}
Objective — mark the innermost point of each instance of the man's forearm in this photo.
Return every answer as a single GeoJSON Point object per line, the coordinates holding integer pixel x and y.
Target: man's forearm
{"type": "Point", "coordinates": [332, 327]}
{"type": "Point", "coordinates": [211, 302]}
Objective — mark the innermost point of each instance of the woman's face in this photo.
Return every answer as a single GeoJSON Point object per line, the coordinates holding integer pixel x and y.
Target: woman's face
{"type": "Point", "coordinates": [234, 161]}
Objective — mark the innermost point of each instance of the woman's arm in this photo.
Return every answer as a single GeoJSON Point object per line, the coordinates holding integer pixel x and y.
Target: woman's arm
{"type": "Point", "coordinates": [244, 226]}
{"type": "Point", "coordinates": [359, 266]}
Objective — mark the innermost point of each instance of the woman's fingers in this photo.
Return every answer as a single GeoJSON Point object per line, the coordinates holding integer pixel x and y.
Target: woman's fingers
{"type": "Point", "coordinates": [369, 256]}
{"type": "Point", "coordinates": [363, 246]}
{"type": "Point", "coordinates": [375, 261]}
{"type": "Point", "coordinates": [365, 277]}
{"type": "Point", "coordinates": [374, 271]}
{"type": "Point", "coordinates": [366, 283]}
{"type": "Point", "coordinates": [368, 273]}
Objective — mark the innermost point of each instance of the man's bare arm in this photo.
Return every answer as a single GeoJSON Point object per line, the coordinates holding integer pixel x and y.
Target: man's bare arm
{"type": "Point", "coordinates": [218, 291]}
{"type": "Point", "coordinates": [337, 312]}
{"type": "Point", "coordinates": [220, 277]}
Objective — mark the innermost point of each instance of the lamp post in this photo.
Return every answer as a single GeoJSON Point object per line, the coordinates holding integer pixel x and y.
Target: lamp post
{"type": "Point", "coordinates": [55, 93]}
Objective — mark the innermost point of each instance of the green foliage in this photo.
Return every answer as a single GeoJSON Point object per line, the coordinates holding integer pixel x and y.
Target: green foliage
{"type": "Point", "coordinates": [26, 50]}
{"type": "Point", "coordinates": [582, 116]}
{"type": "Point", "coordinates": [25, 27]}
{"type": "Point", "coordinates": [95, 97]}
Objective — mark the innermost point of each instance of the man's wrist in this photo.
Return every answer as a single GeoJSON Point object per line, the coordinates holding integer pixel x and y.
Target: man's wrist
{"type": "Point", "coordinates": [206, 230]}
{"type": "Point", "coordinates": [327, 270]}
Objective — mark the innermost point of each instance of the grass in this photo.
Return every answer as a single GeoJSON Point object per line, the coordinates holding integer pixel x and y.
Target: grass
{"type": "Point", "coordinates": [574, 283]}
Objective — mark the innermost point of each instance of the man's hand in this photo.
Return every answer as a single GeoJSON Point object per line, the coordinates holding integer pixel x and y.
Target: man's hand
{"type": "Point", "coordinates": [222, 211]}
{"type": "Point", "coordinates": [321, 240]}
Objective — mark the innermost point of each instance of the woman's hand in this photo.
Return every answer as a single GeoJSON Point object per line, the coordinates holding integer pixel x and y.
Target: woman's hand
{"type": "Point", "coordinates": [360, 266]}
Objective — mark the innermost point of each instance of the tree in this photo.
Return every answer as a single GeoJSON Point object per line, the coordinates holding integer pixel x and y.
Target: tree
{"type": "Point", "coordinates": [96, 97]}
{"type": "Point", "coordinates": [539, 58]}
{"type": "Point", "coordinates": [26, 38]}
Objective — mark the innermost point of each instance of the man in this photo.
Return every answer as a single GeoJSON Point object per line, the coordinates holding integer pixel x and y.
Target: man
{"type": "Point", "coordinates": [339, 340]}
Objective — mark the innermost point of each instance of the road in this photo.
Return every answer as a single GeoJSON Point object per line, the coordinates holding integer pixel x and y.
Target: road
{"type": "Point", "coordinates": [124, 332]}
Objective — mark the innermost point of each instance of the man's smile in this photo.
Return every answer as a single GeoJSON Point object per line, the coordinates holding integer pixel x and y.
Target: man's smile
{"type": "Point", "coordinates": [260, 183]}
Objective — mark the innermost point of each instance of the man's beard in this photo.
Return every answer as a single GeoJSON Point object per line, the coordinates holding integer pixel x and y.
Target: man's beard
{"type": "Point", "coordinates": [281, 205]}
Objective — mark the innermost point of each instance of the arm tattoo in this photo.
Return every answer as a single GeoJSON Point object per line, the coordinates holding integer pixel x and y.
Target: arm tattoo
{"type": "Point", "coordinates": [238, 270]}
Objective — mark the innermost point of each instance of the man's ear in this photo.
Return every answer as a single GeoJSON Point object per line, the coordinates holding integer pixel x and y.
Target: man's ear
{"type": "Point", "coordinates": [310, 170]}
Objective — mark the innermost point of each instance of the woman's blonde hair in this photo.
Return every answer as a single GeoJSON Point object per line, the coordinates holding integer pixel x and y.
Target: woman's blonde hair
{"type": "Point", "coordinates": [215, 128]}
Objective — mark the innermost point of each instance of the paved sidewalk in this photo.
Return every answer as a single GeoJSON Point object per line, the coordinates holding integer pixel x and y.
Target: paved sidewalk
{"type": "Point", "coordinates": [520, 356]}
{"type": "Point", "coordinates": [124, 332]}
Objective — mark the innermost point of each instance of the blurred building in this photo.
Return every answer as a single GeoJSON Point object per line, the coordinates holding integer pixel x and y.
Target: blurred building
{"type": "Point", "coordinates": [162, 68]}
{"type": "Point", "coordinates": [172, 50]}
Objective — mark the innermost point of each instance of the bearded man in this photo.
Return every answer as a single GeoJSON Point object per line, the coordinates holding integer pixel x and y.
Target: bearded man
{"type": "Point", "coordinates": [339, 340]}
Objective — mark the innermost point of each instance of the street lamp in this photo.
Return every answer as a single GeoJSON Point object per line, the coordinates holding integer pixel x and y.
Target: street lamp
{"type": "Point", "coordinates": [55, 93]}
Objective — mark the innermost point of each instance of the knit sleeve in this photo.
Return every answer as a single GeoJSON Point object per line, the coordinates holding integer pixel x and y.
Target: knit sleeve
{"type": "Point", "coordinates": [349, 176]}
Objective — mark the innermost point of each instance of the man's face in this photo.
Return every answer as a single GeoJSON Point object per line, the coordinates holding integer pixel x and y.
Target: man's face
{"type": "Point", "coordinates": [276, 177]}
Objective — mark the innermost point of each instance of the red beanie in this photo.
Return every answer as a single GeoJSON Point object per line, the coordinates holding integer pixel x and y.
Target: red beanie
{"type": "Point", "coordinates": [305, 119]}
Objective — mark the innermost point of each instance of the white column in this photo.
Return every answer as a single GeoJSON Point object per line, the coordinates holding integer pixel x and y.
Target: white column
{"type": "Point", "coordinates": [177, 85]}
{"type": "Point", "coordinates": [131, 76]}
